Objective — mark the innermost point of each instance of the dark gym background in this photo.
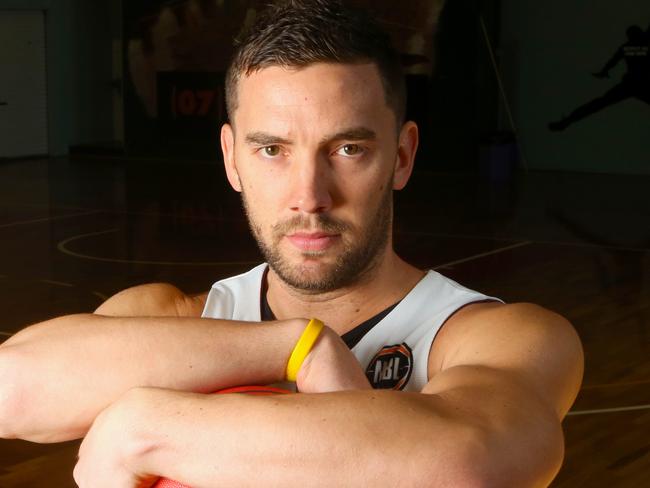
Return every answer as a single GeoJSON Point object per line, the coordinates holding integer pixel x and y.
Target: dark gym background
{"type": "Point", "coordinates": [110, 176]}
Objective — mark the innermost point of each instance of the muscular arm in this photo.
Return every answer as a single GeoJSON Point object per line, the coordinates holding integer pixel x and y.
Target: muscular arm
{"type": "Point", "coordinates": [502, 379]}
{"type": "Point", "coordinates": [156, 299]}
{"type": "Point", "coordinates": [517, 369]}
{"type": "Point", "coordinates": [53, 389]}
{"type": "Point", "coordinates": [352, 438]}
{"type": "Point", "coordinates": [56, 376]}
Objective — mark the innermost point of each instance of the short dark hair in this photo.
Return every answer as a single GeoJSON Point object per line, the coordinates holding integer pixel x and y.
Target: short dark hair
{"type": "Point", "coordinates": [298, 33]}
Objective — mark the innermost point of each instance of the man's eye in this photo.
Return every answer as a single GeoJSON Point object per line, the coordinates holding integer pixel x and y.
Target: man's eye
{"type": "Point", "coordinates": [271, 150]}
{"type": "Point", "coordinates": [351, 149]}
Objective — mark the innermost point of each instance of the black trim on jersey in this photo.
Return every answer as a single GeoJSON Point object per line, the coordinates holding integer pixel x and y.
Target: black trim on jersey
{"type": "Point", "coordinates": [351, 337]}
{"type": "Point", "coordinates": [265, 309]}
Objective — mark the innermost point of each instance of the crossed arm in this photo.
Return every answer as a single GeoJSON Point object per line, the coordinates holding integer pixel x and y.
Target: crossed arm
{"type": "Point", "coordinates": [502, 378]}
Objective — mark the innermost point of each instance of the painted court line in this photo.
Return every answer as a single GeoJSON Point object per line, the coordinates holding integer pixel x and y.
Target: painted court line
{"type": "Point", "coordinates": [101, 296]}
{"type": "Point", "coordinates": [532, 241]}
{"type": "Point", "coordinates": [44, 205]}
{"type": "Point", "coordinates": [98, 294]}
{"type": "Point", "coordinates": [609, 410]}
{"type": "Point", "coordinates": [593, 246]}
{"type": "Point", "coordinates": [57, 283]}
{"type": "Point", "coordinates": [47, 219]}
{"type": "Point", "coordinates": [483, 255]}
{"type": "Point", "coordinates": [61, 246]}
{"type": "Point", "coordinates": [615, 385]}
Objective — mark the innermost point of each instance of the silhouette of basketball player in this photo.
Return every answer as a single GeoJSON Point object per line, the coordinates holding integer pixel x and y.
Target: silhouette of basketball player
{"type": "Point", "coordinates": [635, 83]}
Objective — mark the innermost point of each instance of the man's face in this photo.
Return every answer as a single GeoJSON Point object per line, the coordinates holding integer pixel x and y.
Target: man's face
{"type": "Point", "coordinates": [314, 152]}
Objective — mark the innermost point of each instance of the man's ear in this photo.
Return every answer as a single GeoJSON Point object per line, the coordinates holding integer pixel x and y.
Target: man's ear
{"type": "Point", "coordinates": [408, 146]}
{"type": "Point", "coordinates": [228, 148]}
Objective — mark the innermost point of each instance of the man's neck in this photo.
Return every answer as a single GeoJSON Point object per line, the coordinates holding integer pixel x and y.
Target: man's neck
{"type": "Point", "coordinates": [345, 308]}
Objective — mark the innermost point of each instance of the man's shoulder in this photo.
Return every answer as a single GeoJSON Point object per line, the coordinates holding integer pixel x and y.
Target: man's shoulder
{"type": "Point", "coordinates": [153, 299]}
{"type": "Point", "coordinates": [536, 345]}
{"type": "Point", "coordinates": [489, 318]}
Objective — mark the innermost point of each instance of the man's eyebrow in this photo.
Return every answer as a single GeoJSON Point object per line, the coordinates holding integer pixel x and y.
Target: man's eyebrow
{"type": "Point", "coordinates": [259, 138]}
{"type": "Point", "coordinates": [352, 134]}
{"type": "Point", "coordinates": [264, 139]}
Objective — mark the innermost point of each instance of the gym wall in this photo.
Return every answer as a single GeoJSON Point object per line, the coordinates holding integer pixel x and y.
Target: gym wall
{"type": "Point", "coordinates": [175, 55]}
{"type": "Point", "coordinates": [78, 45]}
{"type": "Point", "coordinates": [549, 51]}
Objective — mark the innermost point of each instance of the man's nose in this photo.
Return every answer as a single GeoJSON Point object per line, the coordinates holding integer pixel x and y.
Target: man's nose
{"type": "Point", "coordinates": [311, 186]}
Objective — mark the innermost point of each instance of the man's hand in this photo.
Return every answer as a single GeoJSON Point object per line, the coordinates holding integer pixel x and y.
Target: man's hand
{"type": "Point", "coordinates": [331, 366]}
{"type": "Point", "coordinates": [107, 452]}
{"type": "Point", "coordinates": [110, 453]}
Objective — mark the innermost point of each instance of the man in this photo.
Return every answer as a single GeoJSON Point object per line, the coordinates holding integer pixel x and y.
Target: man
{"type": "Point", "coordinates": [316, 145]}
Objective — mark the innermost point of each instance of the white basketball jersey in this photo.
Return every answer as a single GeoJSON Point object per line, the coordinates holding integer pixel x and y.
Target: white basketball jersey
{"type": "Point", "coordinates": [395, 352]}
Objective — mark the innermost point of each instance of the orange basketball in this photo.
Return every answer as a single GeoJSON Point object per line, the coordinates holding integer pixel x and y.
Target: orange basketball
{"type": "Point", "coordinates": [249, 390]}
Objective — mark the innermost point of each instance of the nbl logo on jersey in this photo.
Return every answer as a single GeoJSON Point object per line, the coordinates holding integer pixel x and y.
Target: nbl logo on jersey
{"type": "Point", "coordinates": [391, 368]}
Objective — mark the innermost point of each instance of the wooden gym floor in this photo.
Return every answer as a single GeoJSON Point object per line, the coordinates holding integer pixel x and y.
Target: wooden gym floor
{"type": "Point", "coordinates": [75, 232]}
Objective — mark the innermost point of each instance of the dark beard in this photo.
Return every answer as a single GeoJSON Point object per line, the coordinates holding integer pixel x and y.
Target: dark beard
{"type": "Point", "coordinates": [351, 266]}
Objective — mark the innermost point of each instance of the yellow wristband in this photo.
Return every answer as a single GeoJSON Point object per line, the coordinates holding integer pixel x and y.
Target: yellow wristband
{"type": "Point", "coordinates": [302, 348]}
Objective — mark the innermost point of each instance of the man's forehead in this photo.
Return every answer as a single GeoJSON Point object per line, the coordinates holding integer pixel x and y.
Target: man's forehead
{"type": "Point", "coordinates": [348, 94]}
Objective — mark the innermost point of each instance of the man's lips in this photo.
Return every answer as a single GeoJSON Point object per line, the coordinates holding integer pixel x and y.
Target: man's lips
{"type": "Point", "coordinates": [312, 241]}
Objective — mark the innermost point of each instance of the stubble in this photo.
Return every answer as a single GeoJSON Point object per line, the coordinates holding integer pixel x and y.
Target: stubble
{"type": "Point", "coordinates": [362, 249]}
